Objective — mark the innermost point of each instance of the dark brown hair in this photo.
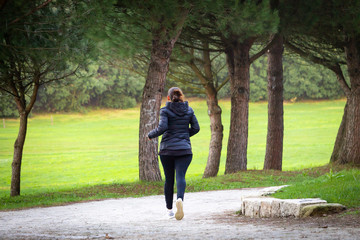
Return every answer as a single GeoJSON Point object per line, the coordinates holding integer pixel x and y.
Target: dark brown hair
{"type": "Point", "coordinates": [176, 95]}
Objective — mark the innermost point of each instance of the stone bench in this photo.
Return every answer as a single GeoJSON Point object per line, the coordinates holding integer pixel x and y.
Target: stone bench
{"type": "Point", "coordinates": [260, 207]}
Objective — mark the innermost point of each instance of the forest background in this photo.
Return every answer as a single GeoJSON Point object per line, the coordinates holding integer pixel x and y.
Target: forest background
{"type": "Point", "coordinates": [109, 85]}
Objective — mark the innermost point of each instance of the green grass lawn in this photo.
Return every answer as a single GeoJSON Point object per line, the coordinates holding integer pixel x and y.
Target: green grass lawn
{"type": "Point", "coordinates": [335, 187]}
{"type": "Point", "coordinates": [101, 146]}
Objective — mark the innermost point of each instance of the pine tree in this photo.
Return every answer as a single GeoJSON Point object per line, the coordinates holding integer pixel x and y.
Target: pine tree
{"type": "Point", "coordinates": [275, 132]}
{"type": "Point", "coordinates": [158, 25]}
{"type": "Point", "coordinates": [329, 35]}
{"type": "Point", "coordinates": [205, 63]}
{"type": "Point", "coordinates": [39, 40]}
{"type": "Point", "coordinates": [240, 24]}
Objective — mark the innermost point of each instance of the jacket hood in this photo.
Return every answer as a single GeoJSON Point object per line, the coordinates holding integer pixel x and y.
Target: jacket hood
{"type": "Point", "coordinates": [179, 108]}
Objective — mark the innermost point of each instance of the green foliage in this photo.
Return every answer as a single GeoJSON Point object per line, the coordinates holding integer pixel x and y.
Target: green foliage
{"type": "Point", "coordinates": [156, 17]}
{"type": "Point", "coordinates": [244, 19]}
{"type": "Point", "coordinates": [41, 42]}
{"type": "Point", "coordinates": [182, 75]}
{"type": "Point", "coordinates": [7, 106]}
{"type": "Point", "coordinates": [124, 92]}
{"type": "Point", "coordinates": [327, 20]}
{"type": "Point", "coordinates": [307, 81]}
{"type": "Point", "coordinates": [324, 30]}
{"type": "Point", "coordinates": [258, 80]}
{"type": "Point", "coordinates": [101, 86]}
{"type": "Point", "coordinates": [302, 81]}
{"type": "Point", "coordinates": [333, 175]}
{"type": "Point", "coordinates": [119, 32]}
{"type": "Point", "coordinates": [127, 27]}
{"type": "Point", "coordinates": [111, 87]}
{"type": "Point", "coordinates": [37, 39]}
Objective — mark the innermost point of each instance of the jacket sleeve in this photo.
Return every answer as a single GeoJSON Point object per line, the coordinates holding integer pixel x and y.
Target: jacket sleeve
{"type": "Point", "coordinates": [194, 126]}
{"type": "Point", "coordinates": [163, 125]}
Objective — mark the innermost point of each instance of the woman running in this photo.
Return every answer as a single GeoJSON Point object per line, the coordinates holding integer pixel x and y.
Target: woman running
{"type": "Point", "coordinates": [175, 147]}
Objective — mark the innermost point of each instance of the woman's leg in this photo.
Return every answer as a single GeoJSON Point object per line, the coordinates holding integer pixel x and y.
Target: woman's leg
{"type": "Point", "coordinates": [169, 170]}
{"type": "Point", "coordinates": [181, 165]}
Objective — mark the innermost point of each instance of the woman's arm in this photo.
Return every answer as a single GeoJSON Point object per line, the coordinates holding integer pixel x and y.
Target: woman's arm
{"type": "Point", "coordinates": [195, 127]}
{"type": "Point", "coordinates": [163, 125]}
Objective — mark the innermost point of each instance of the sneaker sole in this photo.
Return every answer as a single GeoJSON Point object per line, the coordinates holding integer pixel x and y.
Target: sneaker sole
{"type": "Point", "coordinates": [179, 210]}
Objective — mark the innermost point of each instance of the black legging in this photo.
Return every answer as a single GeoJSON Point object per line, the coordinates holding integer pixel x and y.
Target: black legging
{"type": "Point", "coordinates": [171, 164]}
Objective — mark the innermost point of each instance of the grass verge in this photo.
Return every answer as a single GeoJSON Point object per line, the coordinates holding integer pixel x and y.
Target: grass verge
{"type": "Point", "coordinates": [335, 187]}
{"type": "Point", "coordinates": [333, 184]}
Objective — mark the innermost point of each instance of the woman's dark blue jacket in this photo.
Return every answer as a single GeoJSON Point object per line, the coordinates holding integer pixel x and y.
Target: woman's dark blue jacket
{"type": "Point", "coordinates": [175, 119]}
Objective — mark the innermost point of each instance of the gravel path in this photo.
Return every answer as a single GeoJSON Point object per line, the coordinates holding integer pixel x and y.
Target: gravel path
{"type": "Point", "coordinates": [208, 215]}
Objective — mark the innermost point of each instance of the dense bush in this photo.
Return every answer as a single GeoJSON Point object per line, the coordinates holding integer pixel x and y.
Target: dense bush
{"type": "Point", "coordinates": [100, 86]}
{"type": "Point", "coordinates": [7, 106]}
{"type": "Point", "coordinates": [307, 81]}
{"type": "Point", "coordinates": [301, 81]}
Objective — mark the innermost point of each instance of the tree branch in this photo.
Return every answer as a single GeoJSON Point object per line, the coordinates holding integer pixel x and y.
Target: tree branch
{"type": "Point", "coordinates": [335, 67]}
{"type": "Point", "coordinates": [223, 83]}
{"type": "Point", "coordinates": [213, 58]}
{"type": "Point", "coordinates": [34, 93]}
{"type": "Point", "coordinates": [199, 48]}
{"type": "Point", "coordinates": [31, 12]}
{"type": "Point", "coordinates": [341, 79]}
{"type": "Point", "coordinates": [180, 23]}
{"type": "Point", "coordinates": [192, 85]}
{"type": "Point", "coordinates": [309, 57]}
{"type": "Point", "coordinates": [7, 91]}
{"type": "Point", "coordinates": [198, 73]}
{"type": "Point", "coordinates": [262, 51]}
{"type": "Point", "coordinates": [191, 54]}
{"type": "Point", "coordinates": [219, 69]}
{"type": "Point", "coordinates": [18, 47]}
{"type": "Point", "coordinates": [181, 73]}
{"type": "Point", "coordinates": [59, 78]}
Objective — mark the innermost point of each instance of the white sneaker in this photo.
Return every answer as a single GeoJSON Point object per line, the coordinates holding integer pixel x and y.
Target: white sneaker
{"type": "Point", "coordinates": [170, 214]}
{"type": "Point", "coordinates": [179, 209]}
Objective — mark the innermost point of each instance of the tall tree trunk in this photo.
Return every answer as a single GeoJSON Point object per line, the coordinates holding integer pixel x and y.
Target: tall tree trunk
{"type": "Point", "coordinates": [18, 152]}
{"type": "Point", "coordinates": [340, 139]}
{"type": "Point", "coordinates": [150, 107]}
{"type": "Point", "coordinates": [151, 99]}
{"type": "Point", "coordinates": [239, 69]}
{"type": "Point", "coordinates": [275, 132]}
{"type": "Point", "coordinates": [214, 112]}
{"type": "Point", "coordinates": [24, 109]}
{"type": "Point", "coordinates": [350, 152]}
